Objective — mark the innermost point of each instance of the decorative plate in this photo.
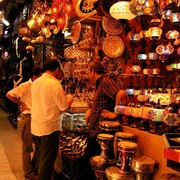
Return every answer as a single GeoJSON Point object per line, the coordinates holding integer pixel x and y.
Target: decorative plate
{"type": "Point", "coordinates": [113, 46]}
{"type": "Point", "coordinates": [86, 8]}
{"type": "Point", "coordinates": [76, 32]}
{"type": "Point", "coordinates": [111, 25]}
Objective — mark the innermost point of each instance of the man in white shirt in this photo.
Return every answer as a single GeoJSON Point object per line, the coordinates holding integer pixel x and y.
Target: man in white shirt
{"type": "Point", "coordinates": [21, 95]}
{"type": "Point", "coordinates": [48, 103]}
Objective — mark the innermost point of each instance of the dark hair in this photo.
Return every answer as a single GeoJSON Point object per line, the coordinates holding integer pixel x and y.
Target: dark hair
{"type": "Point", "coordinates": [96, 66]}
{"type": "Point", "coordinates": [36, 72]}
{"type": "Point", "coordinates": [51, 65]}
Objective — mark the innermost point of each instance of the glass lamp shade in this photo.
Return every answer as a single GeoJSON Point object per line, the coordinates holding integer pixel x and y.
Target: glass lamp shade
{"type": "Point", "coordinates": [155, 22]}
{"type": "Point", "coordinates": [144, 34]}
{"type": "Point", "coordinates": [175, 65]}
{"type": "Point", "coordinates": [176, 42]}
{"type": "Point", "coordinates": [142, 7]}
{"type": "Point", "coordinates": [165, 49]}
{"type": "Point", "coordinates": [155, 33]}
{"type": "Point", "coordinates": [155, 71]}
{"type": "Point", "coordinates": [142, 56]}
{"type": "Point", "coordinates": [152, 56]}
{"type": "Point", "coordinates": [121, 10]}
{"type": "Point", "coordinates": [134, 37]}
{"type": "Point", "coordinates": [172, 34]}
{"type": "Point", "coordinates": [135, 68]}
{"type": "Point", "coordinates": [169, 68]}
{"type": "Point", "coordinates": [147, 71]}
{"type": "Point", "coordinates": [175, 18]}
{"type": "Point", "coordinates": [166, 14]}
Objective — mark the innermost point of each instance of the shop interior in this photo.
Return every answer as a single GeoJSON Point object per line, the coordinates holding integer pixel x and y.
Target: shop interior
{"type": "Point", "coordinates": [138, 43]}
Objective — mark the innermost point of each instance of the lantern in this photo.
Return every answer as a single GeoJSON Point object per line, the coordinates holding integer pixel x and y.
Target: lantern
{"type": "Point", "coordinates": [135, 68]}
{"type": "Point", "coordinates": [142, 7]}
{"type": "Point", "coordinates": [155, 33]}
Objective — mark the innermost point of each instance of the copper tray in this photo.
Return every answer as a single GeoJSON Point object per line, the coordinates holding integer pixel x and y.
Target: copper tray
{"type": "Point", "coordinates": [76, 32]}
{"type": "Point", "coordinates": [111, 25]}
{"type": "Point", "coordinates": [113, 46]}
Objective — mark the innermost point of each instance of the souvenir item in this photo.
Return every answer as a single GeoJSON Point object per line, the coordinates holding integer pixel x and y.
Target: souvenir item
{"type": "Point", "coordinates": [113, 46]}
{"type": "Point", "coordinates": [111, 25]}
{"type": "Point", "coordinates": [76, 31]}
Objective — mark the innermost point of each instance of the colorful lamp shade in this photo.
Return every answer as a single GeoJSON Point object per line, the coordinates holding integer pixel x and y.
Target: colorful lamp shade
{"type": "Point", "coordinates": [155, 33]}
{"type": "Point", "coordinates": [166, 14]}
{"type": "Point", "coordinates": [121, 10]}
{"type": "Point", "coordinates": [152, 56]}
{"type": "Point", "coordinates": [134, 37]}
{"type": "Point", "coordinates": [172, 34]}
{"type": "Point", "coordinates": [144, 34]}
{"type": "Point", "coordinates": [175, 18]}
{"type": "Point", "coordinates": [175, 65]}
{"type": "Point", "coordinates": [142, 56]}
{"type": "Point", "coordinates": [136, 68]}
{"type": "Point", "coordinates": [142, 7]}
{"type": "Point", "coordinates": [165, 49]}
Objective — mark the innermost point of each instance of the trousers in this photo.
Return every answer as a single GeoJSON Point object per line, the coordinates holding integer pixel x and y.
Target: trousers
{"type": "Point", "coordinates": [30, 164]}
{"type": "Point", "coordinates": [49, 147]}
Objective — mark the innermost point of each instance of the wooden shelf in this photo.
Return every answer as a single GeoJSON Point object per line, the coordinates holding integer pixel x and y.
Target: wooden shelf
{"type": "Point", "coordinates": [142, 75]}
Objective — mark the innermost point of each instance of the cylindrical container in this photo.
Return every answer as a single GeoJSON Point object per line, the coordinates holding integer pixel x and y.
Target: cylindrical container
{"type": "Point", "coordinates": [122, 136]}
{"type": "Point", "coordinates": [127, 150]}
{"type": "Point", "coordinates": [112, 173]}
{"type": "Point", "coordinates": [143, 166]}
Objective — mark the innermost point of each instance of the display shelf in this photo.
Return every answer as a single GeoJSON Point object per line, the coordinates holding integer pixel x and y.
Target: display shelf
{"type": "Point", "coordinates": [142, 75]}
{"type": "Point", "coordinates": [153, 146]}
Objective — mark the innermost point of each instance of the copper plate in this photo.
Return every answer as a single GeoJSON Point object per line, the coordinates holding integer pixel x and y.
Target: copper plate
{"type": "Point", "coordinates": [111, 25]}
{"type": "Point", "coordinates": [113, 46]}
{"type": "Point", "coordinates": [76, 31]}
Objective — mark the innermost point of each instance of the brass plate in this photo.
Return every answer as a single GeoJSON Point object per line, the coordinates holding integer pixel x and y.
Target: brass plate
{"type": "Point", "coordinates": [113, 46]}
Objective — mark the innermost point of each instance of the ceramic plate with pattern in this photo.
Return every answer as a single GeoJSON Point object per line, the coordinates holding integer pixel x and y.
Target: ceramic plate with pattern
{"type": "Point", "coordinates": [111, 25]}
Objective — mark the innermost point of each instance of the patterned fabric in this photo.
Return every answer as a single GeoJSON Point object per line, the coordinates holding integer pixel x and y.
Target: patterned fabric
{"type": "Point", "coordinates": [104, 98]}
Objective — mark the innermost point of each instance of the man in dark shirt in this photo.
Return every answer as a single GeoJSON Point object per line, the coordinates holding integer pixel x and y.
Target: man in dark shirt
{"type": "Point", "coordinates": [107, 94]}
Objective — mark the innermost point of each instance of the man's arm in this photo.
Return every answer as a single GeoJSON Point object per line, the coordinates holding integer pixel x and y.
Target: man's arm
{"type": "Point", "coordinates": [121, 98]}
{"type": "Point", "coordinates": [17, 101]}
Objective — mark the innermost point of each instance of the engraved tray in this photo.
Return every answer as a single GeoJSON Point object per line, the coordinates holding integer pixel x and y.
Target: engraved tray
{"type": "Point", "coordinates": [111, 25]}
{"type": "Point", "coordinates": [113, 46]}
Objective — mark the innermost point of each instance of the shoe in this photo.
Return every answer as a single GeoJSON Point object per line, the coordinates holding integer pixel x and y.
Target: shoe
{"type": "Point", "coordinates": [31, 177]}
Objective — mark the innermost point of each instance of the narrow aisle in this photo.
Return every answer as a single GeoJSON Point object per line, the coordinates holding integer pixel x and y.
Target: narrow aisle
{"type": "Point", "coordinates": [10, 145]}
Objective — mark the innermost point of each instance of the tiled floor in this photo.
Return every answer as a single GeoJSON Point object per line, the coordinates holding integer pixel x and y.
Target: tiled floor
{"type": "Point", "coordinates": [10, 150]}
